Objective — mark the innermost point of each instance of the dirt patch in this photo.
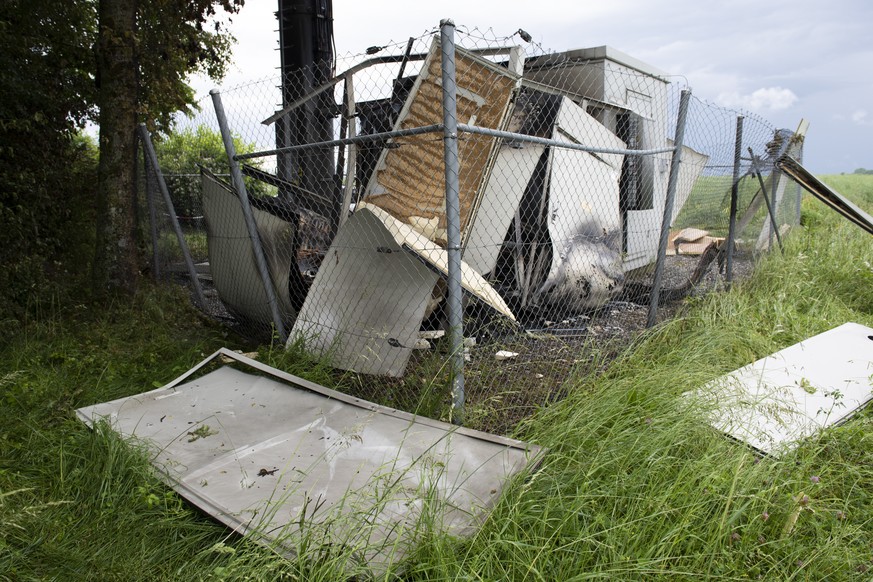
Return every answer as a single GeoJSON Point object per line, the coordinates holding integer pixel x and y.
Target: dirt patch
{"type": "Point", "coordinates": [550, 351]}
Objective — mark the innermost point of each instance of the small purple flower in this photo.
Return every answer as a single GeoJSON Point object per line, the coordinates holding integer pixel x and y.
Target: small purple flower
{"type": "Point", "coordinates": [841, 515]}
{"type": "Point", "coordinates": [815, 478]}
{"type": "Point", "coordinates": [804, 501]}
{"type": "Point", "coordinates": [735, 537]}
{"type": "Point", "coordinates": [765, 516]}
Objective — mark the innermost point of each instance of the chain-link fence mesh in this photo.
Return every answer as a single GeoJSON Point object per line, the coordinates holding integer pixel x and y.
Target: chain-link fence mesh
{"type": "Point", "coordinates": [564, 162]}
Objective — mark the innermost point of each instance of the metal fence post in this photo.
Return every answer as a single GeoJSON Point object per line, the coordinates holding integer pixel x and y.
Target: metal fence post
{"type": "Point", "coordinates": [672, 181]}
{"type": "Point", "coordinates": [239, 184]}
{"type": "Point", "coordinates": [735, 190]}
{"type": "Point", "coordinates": [153, 215]}
{"type": "Point", "coordinates": [453, 217]}
{"type": "Point", "coordinates": [149, 150]}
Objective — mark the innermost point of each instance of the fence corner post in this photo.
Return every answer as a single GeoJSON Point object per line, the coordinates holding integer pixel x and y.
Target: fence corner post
{"type": "Point", "coordinates": [453, 216]}
{"type": "Point", "coordinates": [678, 141]}
{"type": "Point", "coordinates": [239, 185]}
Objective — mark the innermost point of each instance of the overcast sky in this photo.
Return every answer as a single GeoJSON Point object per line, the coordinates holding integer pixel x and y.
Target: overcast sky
{"type": "Point", "coordinates": [783, 60]}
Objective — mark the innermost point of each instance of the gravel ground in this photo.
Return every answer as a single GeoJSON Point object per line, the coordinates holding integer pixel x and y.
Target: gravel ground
{"type": "Point", "coordinates": [549, 351]}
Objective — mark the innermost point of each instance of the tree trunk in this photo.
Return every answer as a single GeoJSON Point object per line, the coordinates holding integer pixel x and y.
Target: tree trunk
{"type": "Point", "coordinates": [116, 258]}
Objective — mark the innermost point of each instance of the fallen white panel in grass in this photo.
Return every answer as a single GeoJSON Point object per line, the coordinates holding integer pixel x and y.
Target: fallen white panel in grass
{"type": "Point", "coordinates": [794, 393]}
{"type": "Point", "coordinates": [278, 457]}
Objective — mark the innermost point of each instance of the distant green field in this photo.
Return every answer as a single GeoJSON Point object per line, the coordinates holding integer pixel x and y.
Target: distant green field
{"type": "Point", "coordinates": [708, 205]}
{"type": "Point", "coordinates": [857, 187]}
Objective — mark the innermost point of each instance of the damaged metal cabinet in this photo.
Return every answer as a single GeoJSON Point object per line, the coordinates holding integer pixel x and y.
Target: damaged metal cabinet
{"type": "Point", "coordinates": [629, 97]}
{"type": "Point", "coordinates": [379, 277]}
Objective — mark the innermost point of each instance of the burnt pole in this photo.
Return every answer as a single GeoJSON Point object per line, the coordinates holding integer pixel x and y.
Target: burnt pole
{"type": "Point", "coordinates": [306, 54]}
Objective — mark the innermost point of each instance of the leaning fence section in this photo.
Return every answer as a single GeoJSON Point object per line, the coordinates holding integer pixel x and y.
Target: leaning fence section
{"type": "Point", "coordinates": [549, 187]}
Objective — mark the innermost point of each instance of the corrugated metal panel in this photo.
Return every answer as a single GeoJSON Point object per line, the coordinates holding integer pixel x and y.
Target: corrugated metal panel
{"type": "Point", "coordinates": [277, 457]}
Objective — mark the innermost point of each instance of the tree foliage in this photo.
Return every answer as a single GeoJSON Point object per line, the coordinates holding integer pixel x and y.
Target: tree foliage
{"type": "Point", "coordinates": [180, 155]}
{"type": "Point", "coordinates": [177, 38]}
{"type": "Point", "coordinates": [49, 56]}
{"type": "Point", "coordinates": [46, 170]}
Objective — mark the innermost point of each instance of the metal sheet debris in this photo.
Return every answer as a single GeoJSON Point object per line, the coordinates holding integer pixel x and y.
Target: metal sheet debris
{"type": "Point", "coordinates": [277, 457]}
{"type": "Point", "coordinates": [232, 265]}
{"type": "Point", "coordinates": [823, 192]}
{"type": "Point", "coordinates": [776, 402]}
{"type": "Point", "coordinates": [367, 302]}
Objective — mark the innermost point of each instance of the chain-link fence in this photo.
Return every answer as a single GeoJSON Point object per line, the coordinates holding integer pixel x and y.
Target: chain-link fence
{"type": "Point", "coordinates": [467, 220]}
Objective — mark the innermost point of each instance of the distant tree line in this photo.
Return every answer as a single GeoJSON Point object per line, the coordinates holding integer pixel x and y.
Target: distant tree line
{"type": "Point", "coordinates": [66, 204]}
{"type": "Point", "coordinates": [862, 171]}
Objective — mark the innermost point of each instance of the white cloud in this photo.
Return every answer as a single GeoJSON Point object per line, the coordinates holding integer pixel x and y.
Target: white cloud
{"type": "Point", "coordinates": [861, 117]}
{"type": "Point", "coordinates": [763, 99]}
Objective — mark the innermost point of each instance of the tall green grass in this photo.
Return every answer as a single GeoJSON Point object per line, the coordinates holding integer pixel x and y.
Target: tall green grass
{"type": "Point", "coordinates": [635, 485]}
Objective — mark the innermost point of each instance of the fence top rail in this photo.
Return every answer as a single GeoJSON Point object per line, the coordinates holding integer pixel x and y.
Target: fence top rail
{"type": "Point", "coordinates": [508, 135]}
{"type": "Point", "coordinates": [462, 128]}
{"type": "Point", "coordinates": [437, 127]}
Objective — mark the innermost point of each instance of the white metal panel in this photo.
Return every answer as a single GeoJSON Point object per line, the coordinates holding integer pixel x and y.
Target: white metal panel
{"type": "Point", "coordinates": [502, 194]}
{"type": "Point", "coordinates": [643, 231]}
{"type": "Point", "coordinates": [583, 187]}
{"type": "Point", "coordinates": [277, 457]}
{"type": "Point", "coordinates": [367, 301]}
{"type": "Point", "coordinates": [792, 394]}
{"type": "Point", "coordinates": [232, 260]}
{"type": "Point", "coordinates": [693, 163]}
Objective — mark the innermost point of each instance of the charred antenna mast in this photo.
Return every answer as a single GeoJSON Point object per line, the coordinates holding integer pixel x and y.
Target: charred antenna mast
{"type": "Point", "coordinates": [307, 61]}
